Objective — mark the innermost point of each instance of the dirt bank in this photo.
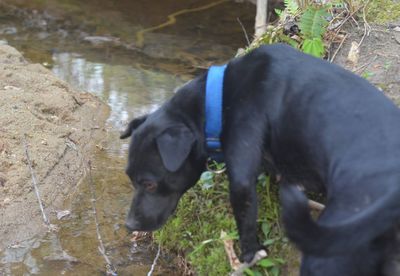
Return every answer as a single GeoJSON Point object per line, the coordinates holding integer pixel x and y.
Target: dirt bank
{"type": "Point", "coordinates": [56, 121]}
{"type": "Point", "coordinates": [378, 58]}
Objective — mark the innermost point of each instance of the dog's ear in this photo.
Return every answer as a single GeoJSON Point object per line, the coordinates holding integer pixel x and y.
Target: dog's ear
{"type": "Point", "coordinates": [132, 126]}
{"type": "Point", "coordinates": [174, 145]}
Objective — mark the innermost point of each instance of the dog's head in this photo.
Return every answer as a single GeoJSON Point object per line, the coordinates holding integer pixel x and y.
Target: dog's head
{"type": "Point", "coordinates": [162, 165]}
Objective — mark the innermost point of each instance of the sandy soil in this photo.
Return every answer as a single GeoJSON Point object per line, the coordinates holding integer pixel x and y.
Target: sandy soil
{"type": "Point", "coordinates": [57, 123]}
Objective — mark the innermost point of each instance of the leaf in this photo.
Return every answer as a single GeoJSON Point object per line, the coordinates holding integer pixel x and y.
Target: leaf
{"type": "Point", "coordinates": [313, 23]}
{"type": "Point", "coordinates": [279, 260]}
{"type": "Point", "coordinates": [249, 272]}
{"type": "Point", "coordinates": [265, 228]}
{"type": "Point", "coordinates": [291, 6]}
{"type": "Point", "coordinates": [314, 47]}
{"type": "Point", "coordinates": [275, 271]}
{"type": "Point", "coordinates": [266, 263]}
{"type": "Point", "coordinates": [278, 12]}
{"type": "Point", "coordinates": [269, 242]}
{"type": "Point", "coordinates": [206, 176]}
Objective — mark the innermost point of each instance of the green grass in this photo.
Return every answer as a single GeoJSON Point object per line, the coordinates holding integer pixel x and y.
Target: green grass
{"type": "Point", "coordinates": [204, 211]}
{"type": "Point", "coordinates": [383, 11]}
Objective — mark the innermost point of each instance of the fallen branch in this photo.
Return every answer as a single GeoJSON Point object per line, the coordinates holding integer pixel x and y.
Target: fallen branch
{"type": "Point", "coordinates": [34, 182]}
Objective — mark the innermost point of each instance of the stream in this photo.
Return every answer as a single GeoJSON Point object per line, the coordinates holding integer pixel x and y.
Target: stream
{"type": "Point", "coordinates": [111, 49]}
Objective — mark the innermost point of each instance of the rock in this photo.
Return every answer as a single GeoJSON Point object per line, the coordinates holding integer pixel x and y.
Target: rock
{"type": "Point", "coordinates": [8, 31]}
{"type": "Point", "coordinates": [63, 214]}
{"type": "Point", "coordinates": [396, 37]}
{"type": "Point", "coordinates": [99, 40]}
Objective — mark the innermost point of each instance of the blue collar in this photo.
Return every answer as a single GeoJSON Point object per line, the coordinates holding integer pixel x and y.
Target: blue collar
{"type": "Point", "coordinates": [213, 111]}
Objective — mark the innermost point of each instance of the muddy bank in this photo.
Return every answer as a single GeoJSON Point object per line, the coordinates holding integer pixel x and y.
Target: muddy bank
{"type": "Point", "coordinates": [58, 122]}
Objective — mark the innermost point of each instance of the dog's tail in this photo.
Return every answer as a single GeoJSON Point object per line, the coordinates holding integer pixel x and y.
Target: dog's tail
{"type": "Point", "coordinates": [323, 240]}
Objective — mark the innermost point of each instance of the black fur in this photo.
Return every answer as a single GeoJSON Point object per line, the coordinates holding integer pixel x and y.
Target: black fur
{"type": "Point", "coordinates": [317, 124]}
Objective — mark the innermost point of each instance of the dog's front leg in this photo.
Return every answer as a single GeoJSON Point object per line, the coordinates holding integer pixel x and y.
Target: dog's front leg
{"type": "Point", "coordinates": [242, 173]}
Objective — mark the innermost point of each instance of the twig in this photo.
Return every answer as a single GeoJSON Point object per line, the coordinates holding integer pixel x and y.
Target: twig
{"type": "Point", "coordinates": [110, 268]}
{"type": "Point", "coordinates": [311, 203]}
{"type": "Point", "coordinates": [362, 67]}
{"type": "Point", "coordinates": [34, 182]}
{"type": "Point", "coordinates": [367, 27]}
{"type": "Point", "coordinates": [154, 261]}
{"type": "Point", "coordinates": [230, 251]}
{"type": "Point", "coordinates": [258, 256]}
{"type": "Point", "coordinates": [316, 205]}
{"type": "Point", "coordinates": [337, 50]}
{"type": "Point", "coordinates": [244, 31]}
{"type": "Point", "coordinates": [346, 19]}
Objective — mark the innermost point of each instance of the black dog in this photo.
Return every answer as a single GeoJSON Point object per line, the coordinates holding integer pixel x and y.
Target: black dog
{"type": "Point", "coordinates": [318, 126]}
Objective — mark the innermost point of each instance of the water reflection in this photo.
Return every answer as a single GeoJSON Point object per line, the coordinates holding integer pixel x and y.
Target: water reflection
{"type": "Point", "coordinates": [133, 82]}
{"type": "Point", "coordinates": [128, 90]}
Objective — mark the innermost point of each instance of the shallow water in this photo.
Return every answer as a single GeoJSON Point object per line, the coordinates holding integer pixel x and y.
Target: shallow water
{"type": "Point", "coordinates": [91, 45]}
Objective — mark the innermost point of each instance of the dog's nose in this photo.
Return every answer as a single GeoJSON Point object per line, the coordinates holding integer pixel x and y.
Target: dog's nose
{"type": "Point", "coordinates": [131, 225]}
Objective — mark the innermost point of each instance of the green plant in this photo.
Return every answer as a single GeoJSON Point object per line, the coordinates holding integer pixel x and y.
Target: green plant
{"type": "Point", "coordinates": [383, 11]}
{"type": "Point", "coordinates": [291, 8]}
{"type": "Point", "coordinates": [367, 74]}
{"type": "Point", "coordinates": [313, 25]}
{"type": "Point", "coordinates": [204, 211]}
{"type": "Point", "coordinates": [312, 22]}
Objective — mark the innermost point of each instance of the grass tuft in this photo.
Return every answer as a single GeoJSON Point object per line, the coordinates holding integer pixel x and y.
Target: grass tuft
{"type": "Point", "coordinates": [204, 211]}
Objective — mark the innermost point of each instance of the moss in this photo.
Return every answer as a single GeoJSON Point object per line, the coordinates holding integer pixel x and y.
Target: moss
{"type": "Point", "coordinates": [204, 211]}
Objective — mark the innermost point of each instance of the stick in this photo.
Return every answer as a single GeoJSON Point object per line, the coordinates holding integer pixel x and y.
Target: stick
{"type": "Point", "coordinates": [110, 268]}
{"type": "Point", "coordinates": [45, 219]}
{"type": "Point", "coordinates": [259, 255]}
{"type": "Point", "coordinates": [367, 27]}
{"type": "Point", "coordinates": [154, 261]}
{"type": "Point", "coordinates": [311, 203]}
{"type": "Point", "coordinates": [244, 31]}
{"type": "Point", "coordinates": [316, 205]}
{"type": "Point", "coordinates": [340, 46]}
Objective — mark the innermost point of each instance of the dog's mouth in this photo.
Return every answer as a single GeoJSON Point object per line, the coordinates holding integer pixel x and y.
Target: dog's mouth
{"type": "Point", "coordinates": [144, 224]}
{"type": "Point", "coordinates": [142, 229]}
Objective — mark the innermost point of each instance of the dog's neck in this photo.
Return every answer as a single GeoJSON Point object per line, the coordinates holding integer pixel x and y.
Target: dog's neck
{"type": "Point", "coordinates": [191, 99]}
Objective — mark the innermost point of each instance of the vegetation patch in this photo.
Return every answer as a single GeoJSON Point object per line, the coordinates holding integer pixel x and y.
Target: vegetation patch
{"type": "Point", "coordinates": [313, 27]}
{"type": "Point", "coordinates": [204, 211]}
{"type": "Point", "coordinates": [383, 11]}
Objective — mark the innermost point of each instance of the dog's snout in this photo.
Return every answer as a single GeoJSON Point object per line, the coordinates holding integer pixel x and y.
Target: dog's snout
{"type": "Point", "coordinates": [131, 225]}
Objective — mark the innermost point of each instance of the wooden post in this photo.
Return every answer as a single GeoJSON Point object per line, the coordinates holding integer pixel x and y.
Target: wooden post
{"type": "Point", "coordinates": [261, 18]}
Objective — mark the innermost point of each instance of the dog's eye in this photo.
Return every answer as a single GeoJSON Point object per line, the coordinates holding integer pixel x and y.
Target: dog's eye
{"type": "Point", "coordinates": [150, 186]}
